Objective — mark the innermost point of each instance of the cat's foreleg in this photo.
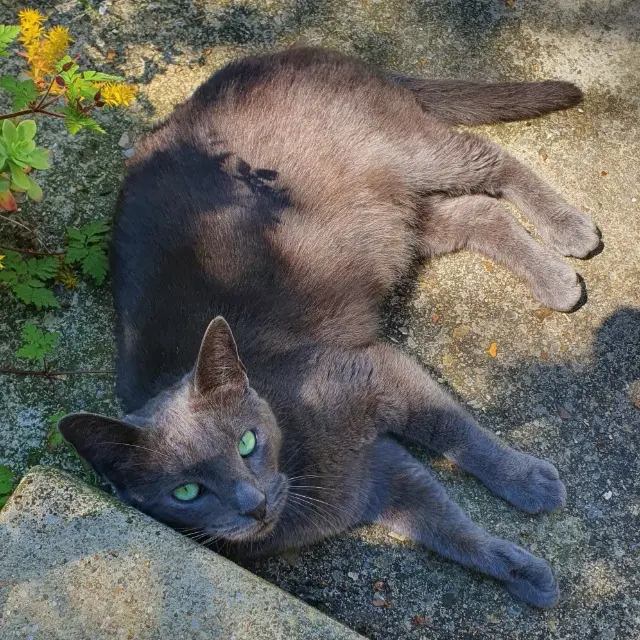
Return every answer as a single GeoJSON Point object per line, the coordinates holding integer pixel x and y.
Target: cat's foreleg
{"type": "Point", "coordinates": [479, 223]}
{"type": "Point", "coordinates": [412, 405]}
{"type": "Point", "coordinates": [408, 499]}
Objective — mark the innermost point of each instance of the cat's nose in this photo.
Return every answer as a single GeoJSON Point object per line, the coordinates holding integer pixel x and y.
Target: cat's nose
{"type": "Point", "coordinates": [259, 511]}
{"type": "Point", "coordinates": [251, 501]}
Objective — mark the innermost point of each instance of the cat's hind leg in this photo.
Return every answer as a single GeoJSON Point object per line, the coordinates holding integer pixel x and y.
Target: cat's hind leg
{"type": "Point", "coordinates": [480, 223]}
{"type": "Point", "coordinates": [408, 499]}
{"type": "Point", "coordinates": [458, 163]}
{"type": "Point", "coordinates": [412, 405]}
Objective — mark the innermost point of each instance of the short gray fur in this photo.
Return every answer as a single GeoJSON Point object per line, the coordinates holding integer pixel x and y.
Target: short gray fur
{"type": "Point", "coordinates": [289, 195]}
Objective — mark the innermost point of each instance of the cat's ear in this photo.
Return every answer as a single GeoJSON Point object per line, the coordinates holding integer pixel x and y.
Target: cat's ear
{"type": "Point", "coordinates": [218, 368]}
{"type": "Point", "coordinates": [105, 443]}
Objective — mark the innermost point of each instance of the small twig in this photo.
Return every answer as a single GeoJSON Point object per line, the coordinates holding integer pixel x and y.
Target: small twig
{"type": "Point", "coordinates": [52, 101]}
{"type": "Point", "coordinates": [12, 221]}
{"type": "Point", "coordinates": [31, 231]}
{"type": "Point", "coordinates": [50, 113]}
{"type": "Point", "coordinates": [27, 112]}
{"type": "Point", "coordinates": [44, 97]}
{"type": "Point", "coordinates": [33, 253]}
{"type": "Point", "coordinates": [54, 374]}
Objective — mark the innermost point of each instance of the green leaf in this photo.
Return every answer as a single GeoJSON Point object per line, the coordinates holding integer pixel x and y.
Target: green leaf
{"type": "Point", "coordinates": [96, 264]}
{"type": "Point", "coordinates": [23, 148]}
{"type": "Point", "coordinates": [75, 254]}
{"type": "Point", "coordinates": [56, 417]}
{"type": "Point", "coordinates": [8, 33]}
{"type": "Point", "coordinates": [76, 235]}
{"type": "Point", "coordinates": [88, 246]}
{"type": "Point", "coordinates": [43, 268]}
{"type": "Point", "coordinates": [76, 120]}
{"type": "Point", "coordinates": [39, 296]}
{"type": "Point", "coordinates": [34, 191]}
{"type": "Point", "coordinates": [54, 439]}
{"type": "Point", "coordinates": [96, 76]}
{"type": "Point", "coordinates": [18, 175]}
{"type": "Point", "coordinates": [9, 132]}
{"type": "Point", "coordinates": [24, 92]}
{"type": "Point", "coordinates": [39, 158]}
{"type": "Point", "coordinates": [95, 230]}
{"type": "Point", "coordinates": [63, 62]}
{"type": "Point", "coordinates": [27, 130]}
{"type": "Point", "coordinates": [6, 479]}
{"type": "Point", "coordinates": [37, 344]}
{"type": "Point", "coordinates": [4, 183]}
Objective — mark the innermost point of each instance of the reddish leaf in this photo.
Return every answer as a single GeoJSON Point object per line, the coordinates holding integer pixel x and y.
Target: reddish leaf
{"type": "Point", "coordinates": [7, 201]}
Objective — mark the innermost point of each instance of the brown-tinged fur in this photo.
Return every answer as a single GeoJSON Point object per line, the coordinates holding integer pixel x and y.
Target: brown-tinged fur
{"type": "Point", "coordinates": [289, 195]}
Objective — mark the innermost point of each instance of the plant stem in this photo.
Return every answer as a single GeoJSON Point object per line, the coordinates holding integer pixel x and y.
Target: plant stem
{"type": "Point", "coordinates": [44, 97]}
{"type": "Point", "coordinates": [54, 374]}
{"type": "Point", "coordinates": [27, 112]}
{"type": "Point", "coordinates": [33, 253]}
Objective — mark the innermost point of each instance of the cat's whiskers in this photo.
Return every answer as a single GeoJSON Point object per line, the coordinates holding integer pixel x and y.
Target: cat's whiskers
{"type": "Point", "coordinates": [332, 506]}
{"type": "Point", "coordinates": [329, 521]}
{"type": "Point", "coordinates": [313, 486]}
{"type": "Point", "coordinates": [330, 518]}
{"type": "Point", "coordinates": [299, 512]}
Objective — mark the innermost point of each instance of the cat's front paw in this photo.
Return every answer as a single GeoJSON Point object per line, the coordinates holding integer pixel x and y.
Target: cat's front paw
{"type": "Point", "coordinates": [573, 234]}
{"type": "Point", "coordinates": [527, 577]}
{"type": "Point", "coordinates": [532, 485]}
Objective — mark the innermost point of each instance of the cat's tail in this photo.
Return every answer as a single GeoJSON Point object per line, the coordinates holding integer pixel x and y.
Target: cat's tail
{"type": "Point", "coordinates": [462, 102]}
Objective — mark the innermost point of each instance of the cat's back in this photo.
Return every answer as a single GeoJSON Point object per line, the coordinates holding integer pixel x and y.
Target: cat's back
{"type": "Point", "coordinates": [260, 198]}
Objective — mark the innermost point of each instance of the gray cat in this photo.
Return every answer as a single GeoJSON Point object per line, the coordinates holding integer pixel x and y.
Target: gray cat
{"type": "Point", "coordinates": [289, 195]}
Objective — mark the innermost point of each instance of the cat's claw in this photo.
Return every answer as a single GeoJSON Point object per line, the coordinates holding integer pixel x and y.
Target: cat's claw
{"type": "Point", "coordinates": [535, 488]}
{"type": "Point", "coordinates": [574, 235]}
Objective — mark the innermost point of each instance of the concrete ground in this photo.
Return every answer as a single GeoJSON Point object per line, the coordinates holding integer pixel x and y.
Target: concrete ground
{"type": "Point", "coordinates": [564, 387]}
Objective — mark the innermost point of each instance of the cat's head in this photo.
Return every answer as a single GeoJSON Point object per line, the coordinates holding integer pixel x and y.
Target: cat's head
{"type": "Point", "coordinates": [202, 456]}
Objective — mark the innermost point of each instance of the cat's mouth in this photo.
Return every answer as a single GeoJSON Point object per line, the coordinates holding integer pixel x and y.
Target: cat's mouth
{"type": "Point", "coordinates": [259, 529]}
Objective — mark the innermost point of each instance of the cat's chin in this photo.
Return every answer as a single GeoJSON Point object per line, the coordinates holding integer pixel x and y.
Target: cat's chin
{"type": "Point", "coordinates": [250, 534]}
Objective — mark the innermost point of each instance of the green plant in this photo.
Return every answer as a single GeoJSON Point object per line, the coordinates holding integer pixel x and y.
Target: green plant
{"type": "Point", "coordinates": [87, 247]}
{"type": "Point", "coordinates": [26, 278]}
{"type": "Point", "coordinates": [7, 482]}
{"type": "Point", "coordinates": [54, 439]}
{"type": "Point", "coordinates": [56, 87]}
{"type": "Point", "coordinates": [19, 154]}
{"type": "Point", "coordinates": [37, 344]}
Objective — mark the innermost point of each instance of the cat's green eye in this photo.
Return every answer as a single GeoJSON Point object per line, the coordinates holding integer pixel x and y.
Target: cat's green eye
{"type": "Point", "coordinates": [247, 443]}
{"type": "Point", "coordinates": [187, 492]}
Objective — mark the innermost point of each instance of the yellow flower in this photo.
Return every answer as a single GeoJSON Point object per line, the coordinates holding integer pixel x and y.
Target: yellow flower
{"type": "Point", "coordinates": [1, 259]}
{"type": "Point", "coordinates": [116, 95]}
{"type": "Point", "coordinates": [30, 25]}
{"type": "Point", "coordinates": [56, 43]}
